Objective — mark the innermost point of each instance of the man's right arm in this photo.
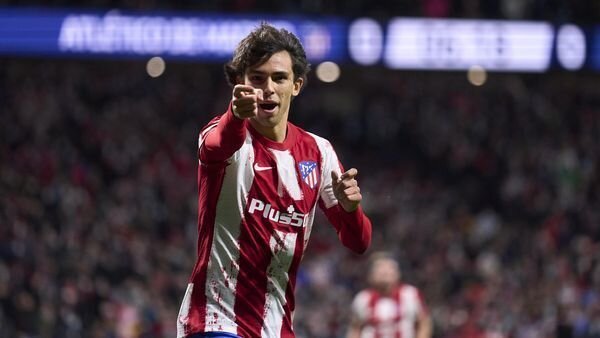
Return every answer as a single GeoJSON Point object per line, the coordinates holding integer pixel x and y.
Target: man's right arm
{"type": "Point", "coordinates": [354, 329]}
{"type": "Point", "coordinates": [358, 314]}
{"type": "Point", "coordinates": [219, 140]}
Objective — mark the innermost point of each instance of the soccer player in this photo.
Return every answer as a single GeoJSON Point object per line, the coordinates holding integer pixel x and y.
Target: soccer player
{"type": "Point", "coordinates": [388, 308]}
{"type": "Point", "coordinates": [260, 179]}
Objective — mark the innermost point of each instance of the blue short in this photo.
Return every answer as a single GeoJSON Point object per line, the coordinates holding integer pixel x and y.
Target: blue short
{"type": "Point", "coordinates": [214, 335]}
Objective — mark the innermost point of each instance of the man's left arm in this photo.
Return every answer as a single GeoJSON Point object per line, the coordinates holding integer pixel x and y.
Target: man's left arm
{"type": "Point", "coordinates": [424, 324]}
{"type": "Point", "coordinates": [340, 202]}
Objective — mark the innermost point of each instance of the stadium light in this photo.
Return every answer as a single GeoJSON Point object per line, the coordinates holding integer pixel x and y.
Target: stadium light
{"type": "Point", "coordinates": [328, 71]}
{"type": "Point", "coordinates": [155, 66]}
{"type": "Point", "coordinates": [365, 41]}
{"type": "Point", "coordinates": [570, 47]}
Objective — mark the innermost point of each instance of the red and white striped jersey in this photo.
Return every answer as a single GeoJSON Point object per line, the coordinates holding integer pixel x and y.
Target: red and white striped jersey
{"type": "Point", "coordinates": [257, 201]}
{"type": "Point", "coordinates": [389, 316]}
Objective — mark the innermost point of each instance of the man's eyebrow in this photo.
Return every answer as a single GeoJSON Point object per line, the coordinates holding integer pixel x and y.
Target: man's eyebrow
{"type": "Point", "coordinates": [281, 73]}
{"type": "Point", "coordinates": [254, 71]}
{"type": "Point", "coordinates": [260, 72]}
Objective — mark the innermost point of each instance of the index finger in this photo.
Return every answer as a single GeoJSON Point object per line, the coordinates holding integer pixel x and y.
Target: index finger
{"type": "Point", "coordinates": [239, 89]}
{"type": "Point", "coordinates": [351, 173]}
{"type": "Point", "coordinates": [335, 177]}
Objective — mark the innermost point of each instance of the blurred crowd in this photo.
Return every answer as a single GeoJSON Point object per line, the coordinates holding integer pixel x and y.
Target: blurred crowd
{"type": "Point", "coordinates": [579, 11]}
{"type": "Point", "coordinates": [489, 196]}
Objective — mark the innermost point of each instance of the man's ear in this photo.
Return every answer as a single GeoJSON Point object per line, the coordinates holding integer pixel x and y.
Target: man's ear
{"type": "Point", "coordinates": [297, 86]}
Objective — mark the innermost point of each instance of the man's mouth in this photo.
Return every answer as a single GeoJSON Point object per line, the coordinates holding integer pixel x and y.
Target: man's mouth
{"type": "Point", "coordinates": [268, 106]}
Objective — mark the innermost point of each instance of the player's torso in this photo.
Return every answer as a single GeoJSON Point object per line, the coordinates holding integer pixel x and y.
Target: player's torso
{"type": "Point", "coordinates": [276, 190]}
{"type": "Point", "coordinates": [392, 316]}
{"type": "Point", "coordinates": [263, 218]}
{"type": "Point", "coordinates": [285, 184]}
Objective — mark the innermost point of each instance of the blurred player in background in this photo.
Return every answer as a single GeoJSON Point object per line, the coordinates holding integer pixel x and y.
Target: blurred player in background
{"type": "Point", "coordinates": [388, 308]}
{"type": "Point", "coordinates": [260, 179]}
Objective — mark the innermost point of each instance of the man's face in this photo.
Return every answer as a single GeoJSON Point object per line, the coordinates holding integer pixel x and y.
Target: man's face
{"type": "Point", "coordinates": [384, 273]}
{"type": "Point", "coordinates": [276, 79]}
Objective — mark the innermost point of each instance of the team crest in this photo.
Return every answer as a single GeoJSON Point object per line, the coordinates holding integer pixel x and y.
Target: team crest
{"type": "Point", "coordinates": [309, 173]}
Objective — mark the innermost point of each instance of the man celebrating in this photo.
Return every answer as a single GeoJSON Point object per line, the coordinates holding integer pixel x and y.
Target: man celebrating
{"type": "Point", "coordinates": [388, 308]}
{"type": "Point", "coordinates": [260, 179]}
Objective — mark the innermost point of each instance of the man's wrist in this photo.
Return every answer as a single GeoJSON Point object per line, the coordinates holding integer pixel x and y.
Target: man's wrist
{"type": "Point", "coordinates": [353, 208]}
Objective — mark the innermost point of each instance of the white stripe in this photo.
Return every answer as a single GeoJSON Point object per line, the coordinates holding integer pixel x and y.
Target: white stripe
{"type": "Point", "coordinates": [313, 178]}
{"type": "Point", "coordinates": [203, 137]}
{"type": "Point", "coordinates": [286, 168]}
{"type": "Point", "coordinates": [308, 226]}
{"type": "Point", "coordinates": [409, 307]}
{"type": "Point", "coordinates": [283, 246]}
{"type": "Point", "coordinates": [223, 265]}
{"type": "Point", "coordinates": [204, 133]}
{"type": "Point", "coordinates": [329, 162]}
{"type": "Point", "coordinates": [184, 310]}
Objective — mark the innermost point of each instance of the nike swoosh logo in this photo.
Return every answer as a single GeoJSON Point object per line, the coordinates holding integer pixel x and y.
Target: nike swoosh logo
{"type": "Point", "coordinates": [259, 168]}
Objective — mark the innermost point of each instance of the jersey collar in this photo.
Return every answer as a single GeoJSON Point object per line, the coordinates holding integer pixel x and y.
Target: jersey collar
{"type": "Point", "coordinates": [288, 142]}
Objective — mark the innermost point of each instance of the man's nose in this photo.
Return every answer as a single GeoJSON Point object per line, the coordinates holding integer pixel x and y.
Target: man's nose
{"type": "Point", "coordinates": [269, 88]}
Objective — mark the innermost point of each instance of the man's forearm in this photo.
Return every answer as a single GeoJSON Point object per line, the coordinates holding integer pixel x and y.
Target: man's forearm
{"type": "Point", "coordinates": [221, 141]}
{"type": "Point", "coordinates": [424, 328]}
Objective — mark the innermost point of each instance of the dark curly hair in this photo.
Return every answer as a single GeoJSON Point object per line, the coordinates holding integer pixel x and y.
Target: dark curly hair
{"type": "Point", "coordinates": [260, 45]}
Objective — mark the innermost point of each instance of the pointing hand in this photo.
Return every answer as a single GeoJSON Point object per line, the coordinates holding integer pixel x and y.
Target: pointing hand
{"type": "Point", "coordinates": [245, 101]}
{"type": "Point", "coordinates": [346, 190]}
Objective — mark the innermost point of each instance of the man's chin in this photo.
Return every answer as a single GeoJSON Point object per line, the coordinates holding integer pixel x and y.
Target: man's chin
{"type": "Point", "coordinates": [384, 286]}
{"type": "Point", "coordinates": [266, 121]}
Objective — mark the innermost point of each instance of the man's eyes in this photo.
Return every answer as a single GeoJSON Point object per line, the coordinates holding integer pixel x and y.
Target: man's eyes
{"type": "Point", "coordinates": [259, 78]}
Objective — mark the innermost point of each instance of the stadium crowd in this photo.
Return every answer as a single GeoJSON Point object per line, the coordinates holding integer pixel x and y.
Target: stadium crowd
{"type": "Point", "coordinates": [489, 196]}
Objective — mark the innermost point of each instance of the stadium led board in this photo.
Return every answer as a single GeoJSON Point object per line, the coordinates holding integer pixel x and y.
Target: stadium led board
{"type": "Point", "coordinates": [141, 34]}
{"type": "Point", "coordinates": [460, 44]}
{"type": "Point", "coordinates": [400, 43]}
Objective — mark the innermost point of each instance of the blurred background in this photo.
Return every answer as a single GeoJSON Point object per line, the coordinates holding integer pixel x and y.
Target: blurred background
{"type": "Point", "coordinates": [477, 140]}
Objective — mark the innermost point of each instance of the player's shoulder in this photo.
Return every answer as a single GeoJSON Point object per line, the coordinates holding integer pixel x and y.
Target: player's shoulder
{"type": "Point", "coordinates": [213, 122]}
{"type": "Point", "coordinates": [209, 126]}
{"type": "Point", "coordinates": [364, 296]}
{"type": "Point", "coordinates": [408, 287]}
{"type": "Point", "coordinates": [308, 136]}
{"type": "Point", "coordinates": [410, 290]}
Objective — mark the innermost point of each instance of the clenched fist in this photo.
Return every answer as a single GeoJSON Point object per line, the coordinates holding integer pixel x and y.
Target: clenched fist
{"type": "Point", "coordinates": [346, 190]}
{"type": "Point", "coordinates": [245, 101]}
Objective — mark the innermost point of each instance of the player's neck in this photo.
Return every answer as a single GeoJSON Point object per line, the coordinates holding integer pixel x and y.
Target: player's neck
{"type": "Point", "coordinates": [276, 134]}
{"type": "Point", "coordinates": [387, 290]}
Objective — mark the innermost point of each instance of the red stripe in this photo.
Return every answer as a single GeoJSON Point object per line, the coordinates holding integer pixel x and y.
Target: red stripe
{"type": "Point", "coordinates": [372, 315]}
{"type": "Point", "coordinates": [398, 297]}
{"type": "Point", "coordinates": [286, 328]}
{"type": "Point", "coordinates": [252, 280]}
{"type": "Point", "coordinates": [210, 180]}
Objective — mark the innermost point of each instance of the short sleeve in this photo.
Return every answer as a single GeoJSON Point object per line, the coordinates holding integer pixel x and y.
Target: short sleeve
{"type": "Point", "coordinates": [360, 306]}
